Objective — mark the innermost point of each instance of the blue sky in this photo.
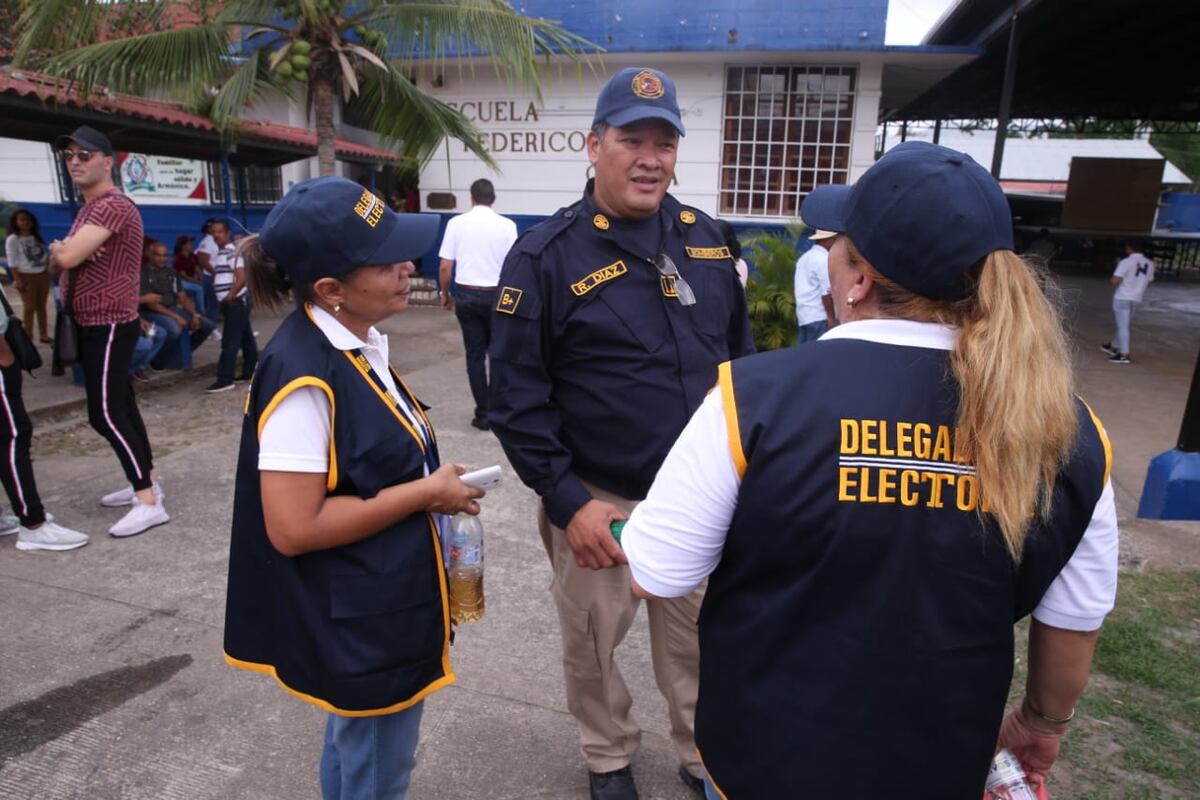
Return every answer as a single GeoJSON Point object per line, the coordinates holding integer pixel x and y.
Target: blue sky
{"type": "Point", "coordinates": [909, 20]}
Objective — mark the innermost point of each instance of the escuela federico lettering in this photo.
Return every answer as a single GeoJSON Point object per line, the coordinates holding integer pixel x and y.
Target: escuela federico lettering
{"type": "Point", "coordinates": [910, 463]}
{"type": "Point", "coordinates": [512, 111]}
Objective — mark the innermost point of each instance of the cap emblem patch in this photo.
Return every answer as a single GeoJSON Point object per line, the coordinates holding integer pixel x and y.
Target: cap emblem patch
{"type": "Point", "coordinates": [600, 221]}
{"type": "Point", "coordinates": [648, 86]}
{"type": "Point", "coordinates": [370, 208]}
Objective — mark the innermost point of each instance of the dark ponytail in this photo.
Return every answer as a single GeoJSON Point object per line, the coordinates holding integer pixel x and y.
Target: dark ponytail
{"type": "Point", "coordinates": [268, 281]}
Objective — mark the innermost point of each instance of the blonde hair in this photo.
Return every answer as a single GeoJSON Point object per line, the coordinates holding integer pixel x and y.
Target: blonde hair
{"type": "Point", "coordinates": [1016, 419]}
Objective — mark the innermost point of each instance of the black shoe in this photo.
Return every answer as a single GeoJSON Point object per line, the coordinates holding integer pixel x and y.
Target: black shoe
{"type": "Point", "coordinates": [615, 785]}
{"type": "Point", "coordinates": [1120, 358]}
{"type": "Point", "coordinates": [218, 386]}
{"type": "Point", "coordinates": [242, 378]}
{"type": "Point", "coordinates": [1108, 348]}
{"type": "Point", "coordinates": [481, 423]}
{"type": "Point", "coordinates": [692, 782]}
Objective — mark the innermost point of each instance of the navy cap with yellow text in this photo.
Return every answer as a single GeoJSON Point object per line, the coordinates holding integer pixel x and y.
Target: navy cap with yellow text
{"type": "Point", "coordinates": [329, 226]}
{"type": "Point", "coordinates": [637, 93]}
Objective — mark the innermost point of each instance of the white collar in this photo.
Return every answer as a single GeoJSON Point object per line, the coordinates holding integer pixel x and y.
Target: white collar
{"type": "Point", "coordinates": [340, 336]}
{"type": "Point", "coordinates": [899, 332]}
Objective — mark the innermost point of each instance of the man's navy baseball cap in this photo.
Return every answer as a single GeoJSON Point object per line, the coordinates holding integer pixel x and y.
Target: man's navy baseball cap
{"type": "Point", "coordinates": [88, 138]}
{"type": "Point", "coordinates": [637, 93]}
{"type": "Point", "coordinates": [923, 215]}
{"type": "Point", "coordinates": [326, 227]}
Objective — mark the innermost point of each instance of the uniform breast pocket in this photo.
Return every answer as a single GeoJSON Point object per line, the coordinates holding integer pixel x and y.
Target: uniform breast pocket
{"type": "Point", "coordinates": [630, 318]}
{"type": "Point", "coordinates": [386, 463]}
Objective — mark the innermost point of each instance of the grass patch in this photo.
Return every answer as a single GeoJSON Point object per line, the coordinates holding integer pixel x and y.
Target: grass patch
{"type": "Point", "coordinates": [1137, 733]}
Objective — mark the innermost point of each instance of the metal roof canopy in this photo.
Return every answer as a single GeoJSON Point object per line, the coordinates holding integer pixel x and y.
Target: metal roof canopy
{"type": "Point", "coordinates": [1109, 59]}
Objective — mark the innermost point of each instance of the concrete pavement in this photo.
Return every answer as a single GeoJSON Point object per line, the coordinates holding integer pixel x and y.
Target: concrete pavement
{"type": "Point", "coordinates": [112, 680]}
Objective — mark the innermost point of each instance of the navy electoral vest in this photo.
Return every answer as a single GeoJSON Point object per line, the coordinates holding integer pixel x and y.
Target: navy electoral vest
{"type": "Point", "coordinates": [360, 629]}
{"type": "Point", "coordinates": [857, 636]}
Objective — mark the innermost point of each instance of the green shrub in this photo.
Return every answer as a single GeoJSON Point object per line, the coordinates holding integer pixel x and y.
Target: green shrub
{"type": "Point", "coordinates": [770, 291]}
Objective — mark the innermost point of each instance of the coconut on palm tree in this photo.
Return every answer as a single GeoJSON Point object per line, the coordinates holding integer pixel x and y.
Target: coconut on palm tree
{"type": "Point", "coordinates": [219, 57]}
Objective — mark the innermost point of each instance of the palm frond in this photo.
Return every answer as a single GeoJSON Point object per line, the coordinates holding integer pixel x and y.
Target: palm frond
{"type": "Point", "coordinates": [412, 120]}
{"type": "Point", "coordinates": [245, 86]}
{"type": "Point", "coordinates": [58, 25]}
{"type": "Point", "coordinates": [138, 64]}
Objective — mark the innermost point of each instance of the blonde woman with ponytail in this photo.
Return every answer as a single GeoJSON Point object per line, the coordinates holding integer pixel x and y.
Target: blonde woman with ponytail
{"type": "Point", "coordinates": [874, 512]}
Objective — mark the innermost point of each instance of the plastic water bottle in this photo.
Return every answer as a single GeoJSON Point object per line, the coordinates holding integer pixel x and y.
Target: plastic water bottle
{"type": "Point", "coordinates": [1006, 779]}
{"type": "Point", "coordinates": [465, 569]}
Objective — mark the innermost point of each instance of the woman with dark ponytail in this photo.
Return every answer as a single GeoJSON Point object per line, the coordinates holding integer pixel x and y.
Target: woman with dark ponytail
{"type": "Point", "coordinates": [874, 512]}
{"type": "Point", "coordinates": [337, 588]}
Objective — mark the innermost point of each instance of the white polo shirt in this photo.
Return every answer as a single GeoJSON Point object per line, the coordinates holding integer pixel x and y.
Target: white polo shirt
{"type": "Point", "coordinates": [675, 537]}
{"type": "Point", "coordinates": [477, 242]}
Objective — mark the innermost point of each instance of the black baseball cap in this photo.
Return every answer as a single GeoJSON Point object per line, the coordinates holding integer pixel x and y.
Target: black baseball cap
{"type": "Point", "coordinates": [637, 93]}
{"type": "Point", "coordinates": [88, 138]}
{"type": "Point", "coordinates": [329, 226]}
{"type": "Point", "coordinates": [922, 215]}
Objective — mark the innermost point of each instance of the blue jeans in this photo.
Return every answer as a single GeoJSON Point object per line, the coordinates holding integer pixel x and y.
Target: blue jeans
{"type": "Point", "coordinates": [147, 348]}
{"type": "Point", "coordinates": [237, 335]}
{"type": "Point", "coordinates": [1123, 312]}
{"type": "Point", "coordinates": [370, 758]}
{"type": "Point", "coordinates": [196, 292]}
{"type": "Point", "coordinates": [474, 309]}
{"type": "Point", "coordinates": [812, 331]}
{"type": "Point", "coordinates": [175, 330]}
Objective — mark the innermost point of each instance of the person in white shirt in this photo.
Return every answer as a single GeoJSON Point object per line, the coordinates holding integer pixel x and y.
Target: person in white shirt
{"type": "Point", "coordinates": [229, 284]}
{"type": "Point", "coordinates": [814, 308]}
{"type": "Point", "coordinates": [28, 260]}
{"type": "Point", "coordinates": [1133, 274]}
{"type": "Point", "coordinates": [473, 251]}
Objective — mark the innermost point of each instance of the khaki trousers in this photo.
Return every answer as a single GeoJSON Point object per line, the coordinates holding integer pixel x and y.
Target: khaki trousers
{"type": "Point", "coordinates": [595, 610]}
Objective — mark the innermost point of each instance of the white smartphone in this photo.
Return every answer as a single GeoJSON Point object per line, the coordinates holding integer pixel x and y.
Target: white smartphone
{"type": "Point", "coordinates": [487, 478]}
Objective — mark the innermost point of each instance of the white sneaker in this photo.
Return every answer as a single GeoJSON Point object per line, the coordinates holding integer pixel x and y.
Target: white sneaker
{"type": "Point", "coordinates": [51, 536]}
{"type": "Point", "coordinates": [11, 523]}
{"type": "Point", "coordinates": [215, 335]}
{"type": "Point", "coordinates": [124, 497]}
{"type": "Point", "coordinates": [140, 518]}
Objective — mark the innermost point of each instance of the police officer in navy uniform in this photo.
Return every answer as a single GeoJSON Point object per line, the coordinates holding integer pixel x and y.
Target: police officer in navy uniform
{"type": "Point", "coordinates": [868, 548]}
{"type": "Point", "coordinates": [610, 321]}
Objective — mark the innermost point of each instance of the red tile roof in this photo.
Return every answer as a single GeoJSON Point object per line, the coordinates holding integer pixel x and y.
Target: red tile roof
{"type": "Point", "coordinates": [26, 84]}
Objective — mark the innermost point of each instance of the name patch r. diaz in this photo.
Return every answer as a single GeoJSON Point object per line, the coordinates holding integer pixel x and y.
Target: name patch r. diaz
{"type": "Point", "coordinates": [711, 253]}
{"type": "Point", "coordinates": [580, 288]}
{"type": "Point", "coordinates": [510, 298]}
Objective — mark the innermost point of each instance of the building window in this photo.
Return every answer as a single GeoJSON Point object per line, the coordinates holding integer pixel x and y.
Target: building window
{"type": "Point", "coordinates": [786, 130]}
{"type": "Point", "coordinates": [263, 185]}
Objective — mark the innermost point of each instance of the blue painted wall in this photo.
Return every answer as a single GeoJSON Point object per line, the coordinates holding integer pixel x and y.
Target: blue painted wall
{"type": "Point", "coordinates": [161, 222]}
{"type": "Point", "coordinates": [637, 26]}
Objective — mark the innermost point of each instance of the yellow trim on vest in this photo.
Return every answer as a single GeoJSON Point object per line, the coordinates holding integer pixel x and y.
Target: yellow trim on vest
{"type": "Point", "coordinates": [268, 669]}
{"type": "Point", "coordinates": [388, 401]}
{"type": "Point", "coordinates": [445, 590]}
{"type": "Point", "coordinates": [725, 379]}
{"type": "Point", "coordinates": [1103, 440]}
{"type": "Point", "coordinates": [299, 383]}
{"type": "Point", "coordinates": [416, 404]}
{"type": "Point", "coordinates": [711, 779]}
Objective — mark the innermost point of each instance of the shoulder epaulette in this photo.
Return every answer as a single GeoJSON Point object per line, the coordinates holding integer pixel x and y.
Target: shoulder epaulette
{"type": "Point", "coordinates": [536, 238]}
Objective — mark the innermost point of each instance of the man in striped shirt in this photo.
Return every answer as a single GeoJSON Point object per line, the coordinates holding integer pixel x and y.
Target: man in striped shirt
{"type": "Point", "coordinates": [229, 282]}
{"type": "Point", "coordinates": [101, 259]}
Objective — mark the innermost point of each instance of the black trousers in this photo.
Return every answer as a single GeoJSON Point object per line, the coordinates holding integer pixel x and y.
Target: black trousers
{"type": "Point", "coordinates": [105, 352]}
{"type": "Point", "coordinates": [238, 334]}
{"type": "Point", "coordinates": [16, 435]}
{"type": "Point", "coordinates": [474, 309]}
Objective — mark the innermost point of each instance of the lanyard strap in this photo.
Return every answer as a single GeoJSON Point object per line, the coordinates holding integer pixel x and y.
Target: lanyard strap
{"type": "Point", "coordinates": [402, 406]}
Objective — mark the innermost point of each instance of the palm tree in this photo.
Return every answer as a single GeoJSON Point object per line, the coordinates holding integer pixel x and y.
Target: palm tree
{"type": "Point", "coordinates": [220, 57]}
